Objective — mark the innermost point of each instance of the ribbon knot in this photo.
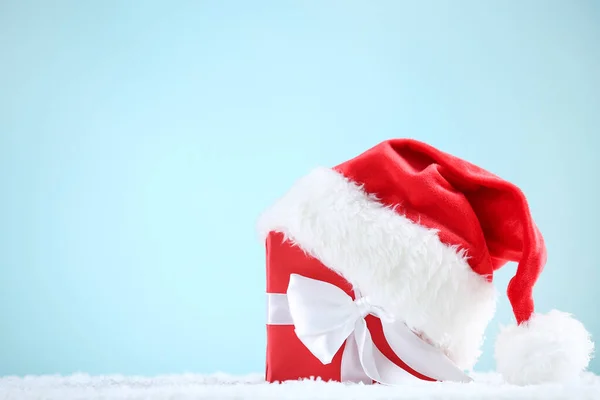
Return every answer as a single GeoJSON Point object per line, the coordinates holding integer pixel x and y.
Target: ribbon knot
{"type": "Point", "coordinates": [365, 307]}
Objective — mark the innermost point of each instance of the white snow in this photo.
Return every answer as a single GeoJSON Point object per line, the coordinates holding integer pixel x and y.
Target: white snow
{"type": "Point", "coordinates": [221, 386]}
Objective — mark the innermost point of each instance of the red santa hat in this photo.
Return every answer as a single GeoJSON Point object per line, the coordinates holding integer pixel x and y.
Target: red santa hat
{"type": "Point", "coordinates": [422, 232]}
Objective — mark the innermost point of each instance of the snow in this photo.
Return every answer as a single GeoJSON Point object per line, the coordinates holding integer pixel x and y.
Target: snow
{"type": "Point", "coordinates": [221, 386]}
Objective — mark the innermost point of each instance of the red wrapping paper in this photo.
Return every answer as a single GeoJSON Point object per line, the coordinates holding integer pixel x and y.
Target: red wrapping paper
{"type": "Point", "coordinates": [287, 358]}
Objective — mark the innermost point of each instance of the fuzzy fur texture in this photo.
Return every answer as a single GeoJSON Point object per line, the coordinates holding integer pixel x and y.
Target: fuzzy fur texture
{"type": "Point", "coordinates": [401, 265]}
{"type": "Point", "coordinates": [551, 347]}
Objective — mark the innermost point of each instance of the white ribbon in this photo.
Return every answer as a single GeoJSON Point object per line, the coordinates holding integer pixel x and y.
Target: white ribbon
{"type": "Point", "coordinates": [325, 317]}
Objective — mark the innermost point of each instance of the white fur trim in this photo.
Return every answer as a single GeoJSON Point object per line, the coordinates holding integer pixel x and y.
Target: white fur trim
{"type": "Point", "coordinates": [551, 347]}
{"type": "Point", "coordinates": [401, 265]}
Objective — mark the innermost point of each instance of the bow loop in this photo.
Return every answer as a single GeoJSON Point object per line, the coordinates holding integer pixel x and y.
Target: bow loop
{"type": "Point", "coordinates": [323, 314]}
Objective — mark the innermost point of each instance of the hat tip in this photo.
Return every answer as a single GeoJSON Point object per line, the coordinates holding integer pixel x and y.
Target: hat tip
{"type": "Point", "coordinates": [552, 347]}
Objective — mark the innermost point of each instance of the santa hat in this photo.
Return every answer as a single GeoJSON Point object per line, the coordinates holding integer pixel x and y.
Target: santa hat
{"type": "Point", "coordinates": [422, 232]}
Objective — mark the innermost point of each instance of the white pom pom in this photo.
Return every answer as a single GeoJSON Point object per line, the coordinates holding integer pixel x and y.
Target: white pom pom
{"type": "Point", "coordinates": [551, 347]}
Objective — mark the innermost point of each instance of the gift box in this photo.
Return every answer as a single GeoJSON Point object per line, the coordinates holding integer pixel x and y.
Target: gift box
{"type": "Point", "coordinates": [288, 358]}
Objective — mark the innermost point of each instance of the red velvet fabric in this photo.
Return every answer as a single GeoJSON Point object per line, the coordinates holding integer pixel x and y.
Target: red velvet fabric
{"type": "Point", "coordinates": [472, 208]}
{"type": "Point", "coordinates": [287, 358]}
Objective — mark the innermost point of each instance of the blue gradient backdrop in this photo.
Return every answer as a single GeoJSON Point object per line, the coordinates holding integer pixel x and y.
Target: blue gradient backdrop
{"type": "Point", "coordinates": [140, 140]}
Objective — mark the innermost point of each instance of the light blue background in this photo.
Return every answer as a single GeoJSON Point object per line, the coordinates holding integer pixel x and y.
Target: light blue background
{"type": "Point", "coordinates": [140, 140]}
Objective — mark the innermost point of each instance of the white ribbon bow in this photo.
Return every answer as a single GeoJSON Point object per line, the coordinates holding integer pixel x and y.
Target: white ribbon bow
{"type": "Point", "coordinates": [324, 316]}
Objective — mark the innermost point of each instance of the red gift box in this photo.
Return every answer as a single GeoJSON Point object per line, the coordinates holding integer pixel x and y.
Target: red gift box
{"type": "Point", "coordinates": [287, 357]}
